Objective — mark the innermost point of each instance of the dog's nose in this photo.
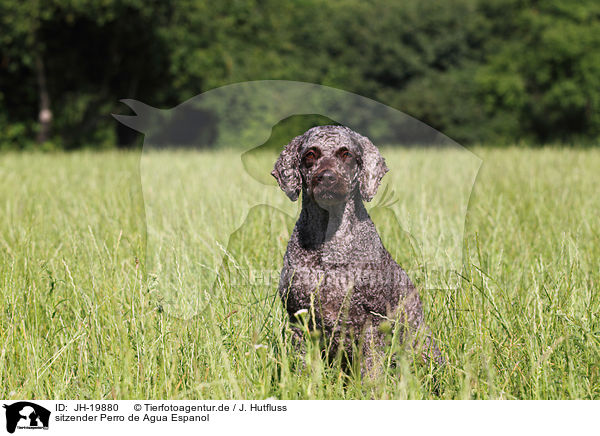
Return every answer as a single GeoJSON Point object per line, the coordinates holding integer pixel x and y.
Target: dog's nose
{"type": "Point", "coordinates": [326, 177]}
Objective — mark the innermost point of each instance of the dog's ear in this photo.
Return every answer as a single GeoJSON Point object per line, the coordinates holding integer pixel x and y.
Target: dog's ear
{"type": "Point", "coordinates": [372, 167]}
{"type": "Point", "coordinates": [286, 171]}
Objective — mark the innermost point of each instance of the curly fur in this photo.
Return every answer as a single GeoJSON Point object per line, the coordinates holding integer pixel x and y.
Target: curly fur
{"type": "Point", "coordinates": [336, 266]}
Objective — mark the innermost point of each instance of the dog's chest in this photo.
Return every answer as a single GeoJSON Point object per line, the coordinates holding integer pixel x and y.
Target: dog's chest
{"type": "Point", "coordinates": [337, 289]}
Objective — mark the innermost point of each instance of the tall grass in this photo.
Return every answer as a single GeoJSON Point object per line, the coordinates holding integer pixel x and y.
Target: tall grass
{"type": "Point", "coordinates": [86, 313]}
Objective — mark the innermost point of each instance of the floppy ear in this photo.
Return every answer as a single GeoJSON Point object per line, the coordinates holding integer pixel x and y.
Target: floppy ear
{"type": "Point", "coordinates": [286, 170]}
{"type": "Point", "coordinates": [372, 168]}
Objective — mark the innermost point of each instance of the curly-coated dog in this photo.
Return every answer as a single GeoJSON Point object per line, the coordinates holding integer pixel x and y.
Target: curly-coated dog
{"type": "Point", "coordinates": [336, 267]}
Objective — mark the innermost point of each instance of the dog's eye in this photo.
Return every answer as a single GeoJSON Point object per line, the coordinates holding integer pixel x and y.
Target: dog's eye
{"type": "Point", "coordinates": [310, 156]}
{"type": "Point", "coordinates": [345, 154]}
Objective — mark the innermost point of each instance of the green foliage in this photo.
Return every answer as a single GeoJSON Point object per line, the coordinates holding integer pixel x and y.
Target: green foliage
{"type": "Point", "coordinates": [82, 313]}
{"type": "Point", "coordinates": [546, 77]}
{"type": "Point", "coordinates": [491, 71]}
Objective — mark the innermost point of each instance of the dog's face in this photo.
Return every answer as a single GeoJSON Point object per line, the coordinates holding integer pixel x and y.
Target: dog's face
{"type": "Point", "coordinates": [330, 163]}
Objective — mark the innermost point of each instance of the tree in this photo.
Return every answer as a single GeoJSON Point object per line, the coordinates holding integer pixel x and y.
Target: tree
{"type": "Point", "coordinates": [546, 77]}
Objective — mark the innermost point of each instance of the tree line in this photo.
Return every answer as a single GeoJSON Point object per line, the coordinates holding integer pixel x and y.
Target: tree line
{"type": "Point", "coordinates": [491, 72]}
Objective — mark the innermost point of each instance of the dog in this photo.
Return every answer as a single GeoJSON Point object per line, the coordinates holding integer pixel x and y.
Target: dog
{"type": "Point", "coordinates": [335, 267]}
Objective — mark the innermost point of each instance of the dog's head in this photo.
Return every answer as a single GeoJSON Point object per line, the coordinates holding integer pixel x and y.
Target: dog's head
{"type": "Point", "coordinates": [330, 163]}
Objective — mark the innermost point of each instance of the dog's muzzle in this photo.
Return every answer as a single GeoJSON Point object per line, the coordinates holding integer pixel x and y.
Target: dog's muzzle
{"type": "Point", "coordinates": [326, 178]}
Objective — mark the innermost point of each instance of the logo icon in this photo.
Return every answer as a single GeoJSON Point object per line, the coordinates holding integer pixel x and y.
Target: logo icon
{"type": "Point", "coordinates": [259, 117]}
{"type": "Point", "coordinates": [26, 415]}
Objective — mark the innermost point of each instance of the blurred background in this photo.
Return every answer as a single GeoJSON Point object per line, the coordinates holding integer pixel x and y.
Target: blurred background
{"type": "Point", "coordinates": [482, 72]}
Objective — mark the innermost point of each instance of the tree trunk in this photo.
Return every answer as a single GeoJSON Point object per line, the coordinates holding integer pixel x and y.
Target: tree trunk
{"type": "Point", "coordinates": [45, 114]}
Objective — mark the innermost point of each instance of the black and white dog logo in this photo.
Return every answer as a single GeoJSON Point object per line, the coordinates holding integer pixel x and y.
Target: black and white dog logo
{"type": "Point", "coordinates": [26, 415]}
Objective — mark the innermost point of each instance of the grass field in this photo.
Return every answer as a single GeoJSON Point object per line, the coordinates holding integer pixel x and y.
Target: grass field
{"type": "Point", "coordinates": [87, 313]}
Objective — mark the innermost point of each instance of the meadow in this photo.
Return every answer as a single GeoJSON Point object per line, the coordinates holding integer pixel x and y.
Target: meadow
{"type": "Point", "coordinates": [109, 288]}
